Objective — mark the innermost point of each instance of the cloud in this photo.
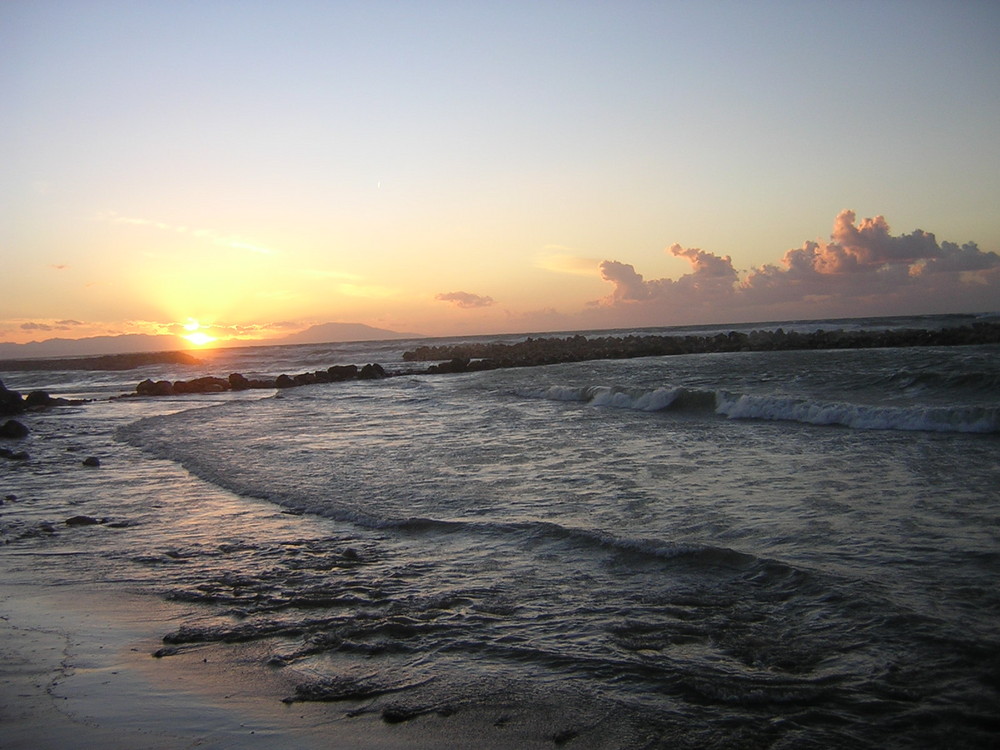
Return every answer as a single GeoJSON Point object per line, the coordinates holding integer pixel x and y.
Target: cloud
{"type": "Point", "coordinates": [222, 239]}
{"type": "Point", "coordinates": [558, 260]}
{"type": "Point", "coordinates": [711, 275]}
{"type": "Point", "coordinates": [863, 270]}
{"type": "Point", "coordinates": [465, 300]}
{"type": "Point", "coordinates": [59, 325]}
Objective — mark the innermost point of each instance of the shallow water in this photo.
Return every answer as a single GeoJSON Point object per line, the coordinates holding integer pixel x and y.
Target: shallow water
{"type": "Point", "coordinates": [617, 544]}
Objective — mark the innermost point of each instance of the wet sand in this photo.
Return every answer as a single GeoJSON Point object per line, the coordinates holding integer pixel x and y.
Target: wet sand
{"type": "Point", "coordinates": [77, 671]}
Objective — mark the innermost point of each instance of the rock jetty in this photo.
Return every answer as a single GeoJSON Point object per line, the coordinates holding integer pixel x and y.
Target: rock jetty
{"type": "Point", "coordinates": [545, 351]}
{"type": "Point", "coordinates": [238, 382]}
{"type": "Point", "coordinates": [12, 402]}
{"type": "Point", "coordinates": [103, 362]}
{"type": "Point", "coordinates": [472, 357]}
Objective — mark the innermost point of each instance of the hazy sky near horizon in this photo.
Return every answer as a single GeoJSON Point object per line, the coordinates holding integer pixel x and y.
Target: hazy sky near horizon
{"type": "Point", "coordinates": [473, 167]}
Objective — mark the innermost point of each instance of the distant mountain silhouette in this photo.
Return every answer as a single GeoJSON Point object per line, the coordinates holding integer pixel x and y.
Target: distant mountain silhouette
{"type": "Point", "coordinates": [330, 332]}
{"type": "Point", "coordinates": [140, 342]}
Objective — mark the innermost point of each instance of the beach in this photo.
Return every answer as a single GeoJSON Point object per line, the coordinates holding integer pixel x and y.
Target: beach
{"type": "Point", "coordinates": [724, 549]}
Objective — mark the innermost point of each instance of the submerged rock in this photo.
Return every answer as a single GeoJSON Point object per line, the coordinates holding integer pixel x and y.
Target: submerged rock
{"type": "Point", "coordinates": [13, 430]}
{"type": "Point", "coordinates": [91, 461]}
{"type": "Point", "coordinates": [82, 521]}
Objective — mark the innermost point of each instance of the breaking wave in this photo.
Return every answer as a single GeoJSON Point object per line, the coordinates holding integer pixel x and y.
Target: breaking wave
{"type": "Point", "coordinates": [971, 419]}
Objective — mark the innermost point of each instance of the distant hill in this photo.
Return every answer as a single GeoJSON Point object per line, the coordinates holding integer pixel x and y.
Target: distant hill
{"type": "Point", "coordinates": [139, 342]}
{"type": "Point", "coordinates": [329, 332]}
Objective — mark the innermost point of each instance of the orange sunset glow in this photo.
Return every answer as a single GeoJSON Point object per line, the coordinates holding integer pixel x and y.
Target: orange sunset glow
{"type": "Point", "coordinates": [649, 164]}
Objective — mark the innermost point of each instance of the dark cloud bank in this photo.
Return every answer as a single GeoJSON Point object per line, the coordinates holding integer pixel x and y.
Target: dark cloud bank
{"type": "Point", "coordinates": [863, 270]}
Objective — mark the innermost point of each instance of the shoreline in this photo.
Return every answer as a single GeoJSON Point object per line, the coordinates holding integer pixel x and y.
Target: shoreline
{"type": "Point", "coordinates": [77, 671]}
{"type": "Point", "coordinates": [77, 664]}
{"type": "Point", "coordinates": [77, 640]}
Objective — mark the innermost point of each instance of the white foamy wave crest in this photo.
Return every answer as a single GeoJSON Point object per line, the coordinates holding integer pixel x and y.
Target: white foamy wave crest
{"type": "Point", "coordinates": [859, 416]}
{"type": "Point", "coordinates": [614, 397]}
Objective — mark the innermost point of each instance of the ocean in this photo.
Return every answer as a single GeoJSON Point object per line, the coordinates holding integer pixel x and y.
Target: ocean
{"type": "Point", "coordinates": [787, 549]}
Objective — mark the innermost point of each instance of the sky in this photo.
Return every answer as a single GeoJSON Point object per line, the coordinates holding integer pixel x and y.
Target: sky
{"type": "Point", "coordinates": [247, 169]}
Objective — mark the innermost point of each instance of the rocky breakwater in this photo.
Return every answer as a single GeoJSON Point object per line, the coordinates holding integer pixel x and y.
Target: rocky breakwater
{"type": "Point", "coordinates": [101, 362]}
{"type": "Point", "coordinates": [238, 382]}
{"type": "Point", "coordinates": [13, 403]}
{"type": "Point", "coordinates": [546, 351]}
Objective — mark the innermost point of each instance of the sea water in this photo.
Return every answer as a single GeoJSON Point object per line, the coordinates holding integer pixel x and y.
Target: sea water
{"type": "Point", "coordinates": [753, 549]}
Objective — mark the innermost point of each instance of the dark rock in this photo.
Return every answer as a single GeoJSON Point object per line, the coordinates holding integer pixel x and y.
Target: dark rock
{"type": "Point", "coordinates": [47, 527]}
{"type": "Point", "coordinates": [207, 384]}
{"type": "Point", "coordinates": [343, 372]}
{"type": "Point", "coordinates": [13, 430]}
{"type": "Point", "coordinates": [458, 364]}
{"type": "Point", "coordinates": [38, 399]}
{"type": "Point", "coordinates": [284, 381]}
{"type": "Point", "coordinates": [306, 378]}
{"type": "Point", "coordinates": [82, 521]}
{"type": "Point", "coordinates": [14, 455]}
{"type": "Point", "coordinates": [10, 401]}
{"type": "Point", "coordinates": [238, 383]}
{"type": "Point", "coordinates": [372, 372]}
{"type": "Point", "coordinates": [92, 461]}
{"type": "Point", "coordinates": [160, 388]}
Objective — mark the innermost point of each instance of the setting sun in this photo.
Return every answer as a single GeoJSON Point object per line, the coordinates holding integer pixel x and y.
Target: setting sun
{"type": "Point", "coordinates": [199, 338]}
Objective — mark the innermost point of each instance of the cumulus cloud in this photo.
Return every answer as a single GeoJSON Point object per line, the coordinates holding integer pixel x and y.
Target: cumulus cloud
{"type": "Point", "coordinates": [711, 274]}
{"type": "Point", "coordinates": [864, 269]}
{"type": "Point", "coordinates": [465, 300]}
